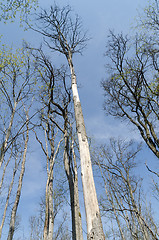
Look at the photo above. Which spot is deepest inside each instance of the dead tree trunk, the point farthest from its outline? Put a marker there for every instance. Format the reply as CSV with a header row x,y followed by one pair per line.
x,y
67,37
94,224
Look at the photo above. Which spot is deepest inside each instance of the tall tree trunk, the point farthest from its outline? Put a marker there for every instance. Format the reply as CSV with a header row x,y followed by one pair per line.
x,y
72,177
49,210
18,194
78,223
7,199
94,224
49,213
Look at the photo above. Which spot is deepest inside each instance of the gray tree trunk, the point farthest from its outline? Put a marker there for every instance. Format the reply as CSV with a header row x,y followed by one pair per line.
x,y
49,210
94,224
18,194
7,201
49,213
77,233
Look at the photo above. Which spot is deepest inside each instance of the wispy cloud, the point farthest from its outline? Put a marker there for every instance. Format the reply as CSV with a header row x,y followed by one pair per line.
x,y
104,128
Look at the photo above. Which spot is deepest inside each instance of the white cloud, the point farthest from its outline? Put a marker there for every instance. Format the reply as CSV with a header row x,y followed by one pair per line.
x,y
104,128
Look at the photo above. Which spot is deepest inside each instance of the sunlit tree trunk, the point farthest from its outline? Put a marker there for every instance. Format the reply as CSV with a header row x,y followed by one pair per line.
x,y
18,194
94,224
67,37
49,212
8,196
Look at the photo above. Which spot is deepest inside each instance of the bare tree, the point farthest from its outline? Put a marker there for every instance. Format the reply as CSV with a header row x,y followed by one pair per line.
x,y
131,88
36,226
72,176
50,146
18,193
148,19
15,169
66,36
15,84
55,98
50,150
15,87
124,196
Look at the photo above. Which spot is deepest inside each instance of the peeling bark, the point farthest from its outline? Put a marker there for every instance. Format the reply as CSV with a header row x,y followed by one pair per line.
x,y
67,38
94,224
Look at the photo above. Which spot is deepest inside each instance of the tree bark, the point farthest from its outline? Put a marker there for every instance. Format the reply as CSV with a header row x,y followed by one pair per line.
x,y
49,215
18,194
7,201
77,233
49,209
94,224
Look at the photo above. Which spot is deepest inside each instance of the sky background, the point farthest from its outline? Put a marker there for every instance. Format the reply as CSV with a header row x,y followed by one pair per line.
x,y
97,17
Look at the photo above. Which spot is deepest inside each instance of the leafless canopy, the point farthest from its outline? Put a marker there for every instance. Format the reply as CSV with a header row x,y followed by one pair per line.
x,y
125,200
64,32
131,89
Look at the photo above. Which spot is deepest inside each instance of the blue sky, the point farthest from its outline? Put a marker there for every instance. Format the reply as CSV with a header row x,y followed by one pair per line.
x,y
98,17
